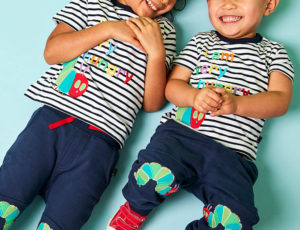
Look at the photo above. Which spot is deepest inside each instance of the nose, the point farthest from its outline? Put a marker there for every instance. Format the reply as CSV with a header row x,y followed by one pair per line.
x,y
229,4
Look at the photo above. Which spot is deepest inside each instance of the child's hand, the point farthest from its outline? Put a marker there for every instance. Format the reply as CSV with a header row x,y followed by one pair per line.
x,y
121,31
149,35
228,105
207,100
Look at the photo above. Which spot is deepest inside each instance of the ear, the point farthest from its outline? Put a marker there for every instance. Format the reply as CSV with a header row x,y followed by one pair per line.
x,y
271,6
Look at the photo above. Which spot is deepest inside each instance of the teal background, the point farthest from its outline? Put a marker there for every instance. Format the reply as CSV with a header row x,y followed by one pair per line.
x,y
25,26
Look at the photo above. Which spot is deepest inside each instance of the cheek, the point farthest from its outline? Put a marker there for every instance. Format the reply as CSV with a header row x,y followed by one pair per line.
x,y
214,20
254,13
213,15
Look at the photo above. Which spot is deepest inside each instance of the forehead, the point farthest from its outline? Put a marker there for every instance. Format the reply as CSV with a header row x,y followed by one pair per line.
x,y
237,1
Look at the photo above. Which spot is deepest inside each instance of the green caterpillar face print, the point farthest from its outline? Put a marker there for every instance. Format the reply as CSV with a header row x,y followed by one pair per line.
x,y
190,116
70,81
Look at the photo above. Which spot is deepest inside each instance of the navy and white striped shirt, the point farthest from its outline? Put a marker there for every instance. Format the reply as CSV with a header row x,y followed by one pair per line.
x,y
242,67
103,87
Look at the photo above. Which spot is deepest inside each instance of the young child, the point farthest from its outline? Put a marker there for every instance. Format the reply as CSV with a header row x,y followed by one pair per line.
x,y
225,83
110,58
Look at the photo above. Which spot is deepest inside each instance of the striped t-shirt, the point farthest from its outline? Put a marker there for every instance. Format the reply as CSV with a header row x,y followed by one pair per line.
x,y
242,67
103,87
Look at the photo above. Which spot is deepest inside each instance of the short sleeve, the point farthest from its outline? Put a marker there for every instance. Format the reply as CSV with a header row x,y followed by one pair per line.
x,y
281,62
189,56
169,37
74,14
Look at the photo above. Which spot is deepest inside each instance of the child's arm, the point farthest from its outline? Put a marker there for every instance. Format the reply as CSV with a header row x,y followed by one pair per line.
x,y
273,103
180,93
149,34
64,43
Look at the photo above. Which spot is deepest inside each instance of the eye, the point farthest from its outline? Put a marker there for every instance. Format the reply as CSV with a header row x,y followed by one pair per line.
x,y
77,84
82,87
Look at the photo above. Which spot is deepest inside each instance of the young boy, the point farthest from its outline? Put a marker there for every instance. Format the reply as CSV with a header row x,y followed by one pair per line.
x,y
225,83
109,59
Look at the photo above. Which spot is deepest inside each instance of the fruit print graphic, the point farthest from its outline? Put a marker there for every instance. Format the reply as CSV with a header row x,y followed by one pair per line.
x,y
190,116
44,226
162,175
70,81
222,215
9,213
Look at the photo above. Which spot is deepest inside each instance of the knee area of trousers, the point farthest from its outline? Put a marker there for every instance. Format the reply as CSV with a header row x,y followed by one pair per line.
x,y
163,177
8,214
44,226
222,215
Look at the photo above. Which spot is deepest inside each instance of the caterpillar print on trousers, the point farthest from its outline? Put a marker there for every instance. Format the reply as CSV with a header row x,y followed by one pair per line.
x,y
224,216
44,226
162,175
9,213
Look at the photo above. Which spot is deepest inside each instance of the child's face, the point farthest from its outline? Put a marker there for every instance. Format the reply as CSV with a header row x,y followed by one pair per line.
x,y
149,8
237,18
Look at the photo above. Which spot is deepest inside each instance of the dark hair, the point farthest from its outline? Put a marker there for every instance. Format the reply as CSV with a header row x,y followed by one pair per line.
x,y
179,5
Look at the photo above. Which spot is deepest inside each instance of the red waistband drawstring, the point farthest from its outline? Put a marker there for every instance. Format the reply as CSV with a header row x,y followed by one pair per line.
x,y
61,122
69,120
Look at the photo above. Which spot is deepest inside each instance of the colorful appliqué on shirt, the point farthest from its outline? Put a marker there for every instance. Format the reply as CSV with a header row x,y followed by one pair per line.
x,y
70,81
190,116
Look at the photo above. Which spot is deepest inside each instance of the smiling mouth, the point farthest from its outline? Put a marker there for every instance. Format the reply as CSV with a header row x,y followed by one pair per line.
x,y
228,19
150,4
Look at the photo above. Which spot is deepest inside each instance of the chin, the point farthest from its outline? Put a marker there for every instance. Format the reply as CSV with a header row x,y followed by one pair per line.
x,y
146,14
232,34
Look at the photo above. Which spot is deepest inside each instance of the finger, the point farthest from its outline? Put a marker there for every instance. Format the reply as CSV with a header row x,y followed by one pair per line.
x,y
200,109
148,20
211,94
208,107
137,44
219,90
137,31
205,108
217,97
213,100
139,22
217,113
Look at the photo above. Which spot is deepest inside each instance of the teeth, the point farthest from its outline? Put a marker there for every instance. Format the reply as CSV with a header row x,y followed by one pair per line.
x,y
151,5
231,18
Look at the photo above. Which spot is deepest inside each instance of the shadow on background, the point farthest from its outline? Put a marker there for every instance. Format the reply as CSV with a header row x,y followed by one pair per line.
x,y
267,200
270,23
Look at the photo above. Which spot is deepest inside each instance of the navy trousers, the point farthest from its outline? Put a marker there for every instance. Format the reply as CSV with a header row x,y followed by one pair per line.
x,y
178,157
69,165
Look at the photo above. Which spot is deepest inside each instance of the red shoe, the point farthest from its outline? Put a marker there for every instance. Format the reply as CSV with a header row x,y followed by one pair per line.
x,y
126,219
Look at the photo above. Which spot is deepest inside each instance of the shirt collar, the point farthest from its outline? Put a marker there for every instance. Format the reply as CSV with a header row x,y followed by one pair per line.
x,y
125,7
256,39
